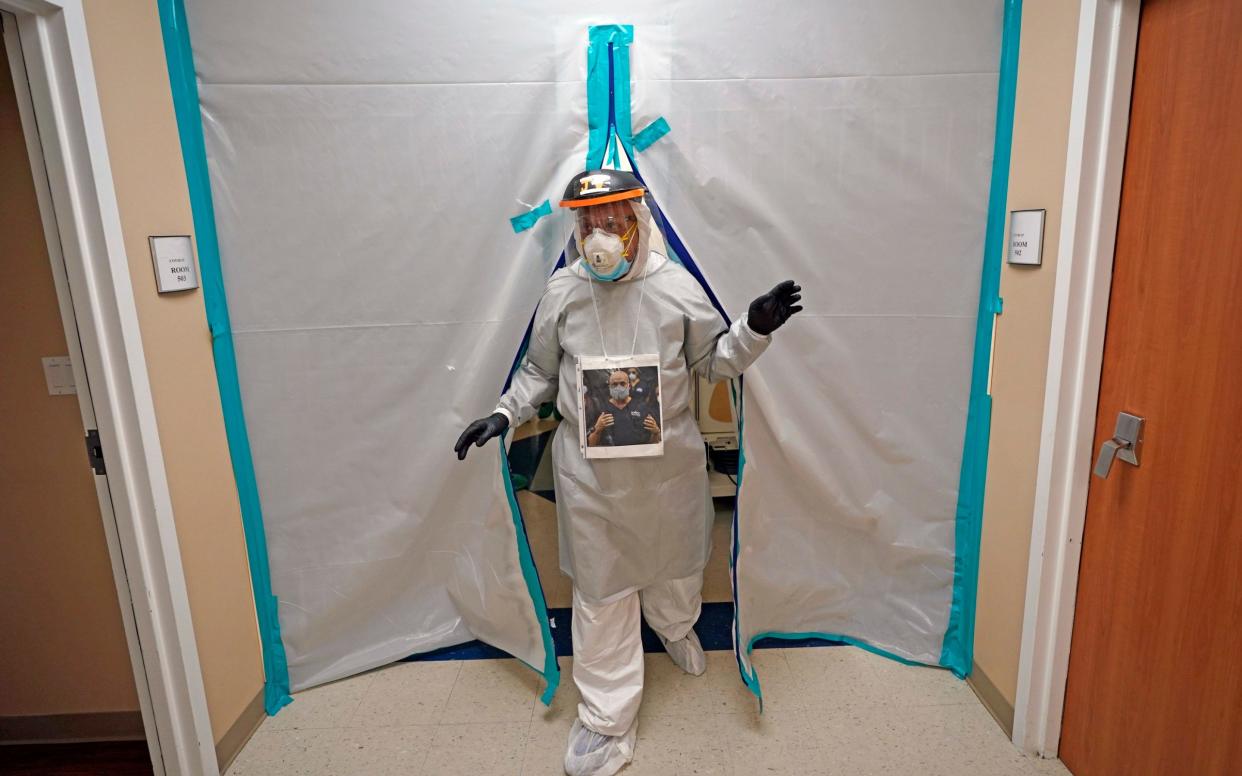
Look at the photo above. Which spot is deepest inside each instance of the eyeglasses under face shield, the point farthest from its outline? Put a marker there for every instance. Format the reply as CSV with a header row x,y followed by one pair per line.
x,y
613,217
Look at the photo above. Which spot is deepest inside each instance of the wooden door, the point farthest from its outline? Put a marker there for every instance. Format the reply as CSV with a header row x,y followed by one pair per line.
x,y
1155,674
62,636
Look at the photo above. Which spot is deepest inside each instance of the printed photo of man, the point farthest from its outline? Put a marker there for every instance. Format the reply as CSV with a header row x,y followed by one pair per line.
x,y
624,419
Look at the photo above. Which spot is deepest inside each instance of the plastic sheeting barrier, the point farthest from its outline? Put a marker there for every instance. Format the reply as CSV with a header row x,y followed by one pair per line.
x,y
364,159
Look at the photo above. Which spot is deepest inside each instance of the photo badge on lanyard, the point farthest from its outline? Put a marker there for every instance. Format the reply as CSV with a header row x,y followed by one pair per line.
x,y
619,411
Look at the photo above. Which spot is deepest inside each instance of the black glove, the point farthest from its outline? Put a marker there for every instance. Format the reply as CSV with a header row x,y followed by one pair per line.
x,y
770,311
479,432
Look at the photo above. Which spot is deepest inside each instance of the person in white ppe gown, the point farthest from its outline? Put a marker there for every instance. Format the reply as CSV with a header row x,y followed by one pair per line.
x,y
635,532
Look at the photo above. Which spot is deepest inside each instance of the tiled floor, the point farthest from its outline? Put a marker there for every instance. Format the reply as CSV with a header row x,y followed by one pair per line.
x,y
830,710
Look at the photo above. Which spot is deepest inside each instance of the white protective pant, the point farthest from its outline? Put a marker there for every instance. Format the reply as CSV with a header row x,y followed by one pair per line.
x,y
608,647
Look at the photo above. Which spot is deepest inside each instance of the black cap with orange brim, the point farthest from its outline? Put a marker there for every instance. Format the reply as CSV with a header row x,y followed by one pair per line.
x,y
597,187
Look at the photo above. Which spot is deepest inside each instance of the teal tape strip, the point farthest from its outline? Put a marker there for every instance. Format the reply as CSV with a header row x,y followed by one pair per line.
x,y
621,88
599,90
551,670
526,220
957,651
649,134
751,678
598,126
189,125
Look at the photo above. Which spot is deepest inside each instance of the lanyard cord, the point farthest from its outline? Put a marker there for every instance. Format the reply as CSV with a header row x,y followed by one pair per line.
x,y
637,313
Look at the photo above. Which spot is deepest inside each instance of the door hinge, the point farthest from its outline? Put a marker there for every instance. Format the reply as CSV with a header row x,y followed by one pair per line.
x,y
94,451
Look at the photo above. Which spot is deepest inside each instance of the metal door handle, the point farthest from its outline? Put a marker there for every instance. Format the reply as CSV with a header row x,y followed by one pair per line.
x,y
1125,444
1104,464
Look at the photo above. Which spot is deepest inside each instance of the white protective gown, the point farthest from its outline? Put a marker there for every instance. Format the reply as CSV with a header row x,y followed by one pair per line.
x,y
628,523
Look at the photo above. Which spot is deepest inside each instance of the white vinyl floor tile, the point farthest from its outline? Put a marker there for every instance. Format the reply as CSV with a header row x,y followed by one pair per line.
x,y
827,710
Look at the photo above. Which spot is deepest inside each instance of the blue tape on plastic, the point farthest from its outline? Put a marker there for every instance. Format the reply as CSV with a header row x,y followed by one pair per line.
x,y
189,125
551,670
957,651
601,38
751,680
526,220
649,134
620,62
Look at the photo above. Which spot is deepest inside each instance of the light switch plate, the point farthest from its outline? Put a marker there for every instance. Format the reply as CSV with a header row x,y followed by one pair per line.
x,y
58,370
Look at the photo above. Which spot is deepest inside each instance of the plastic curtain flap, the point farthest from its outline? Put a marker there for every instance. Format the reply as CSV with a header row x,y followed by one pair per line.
x,y
365,160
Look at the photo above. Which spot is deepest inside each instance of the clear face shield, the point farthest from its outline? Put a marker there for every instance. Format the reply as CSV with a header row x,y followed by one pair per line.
x,y
612,237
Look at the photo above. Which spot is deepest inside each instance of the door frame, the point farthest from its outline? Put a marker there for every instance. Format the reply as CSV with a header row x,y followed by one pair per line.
x,y
73,344
1098,127
82,221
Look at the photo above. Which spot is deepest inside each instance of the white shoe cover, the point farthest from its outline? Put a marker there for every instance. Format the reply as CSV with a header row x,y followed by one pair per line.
x,y
595,754
687,653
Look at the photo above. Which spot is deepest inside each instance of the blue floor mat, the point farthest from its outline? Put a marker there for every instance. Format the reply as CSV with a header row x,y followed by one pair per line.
x,y
714,627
